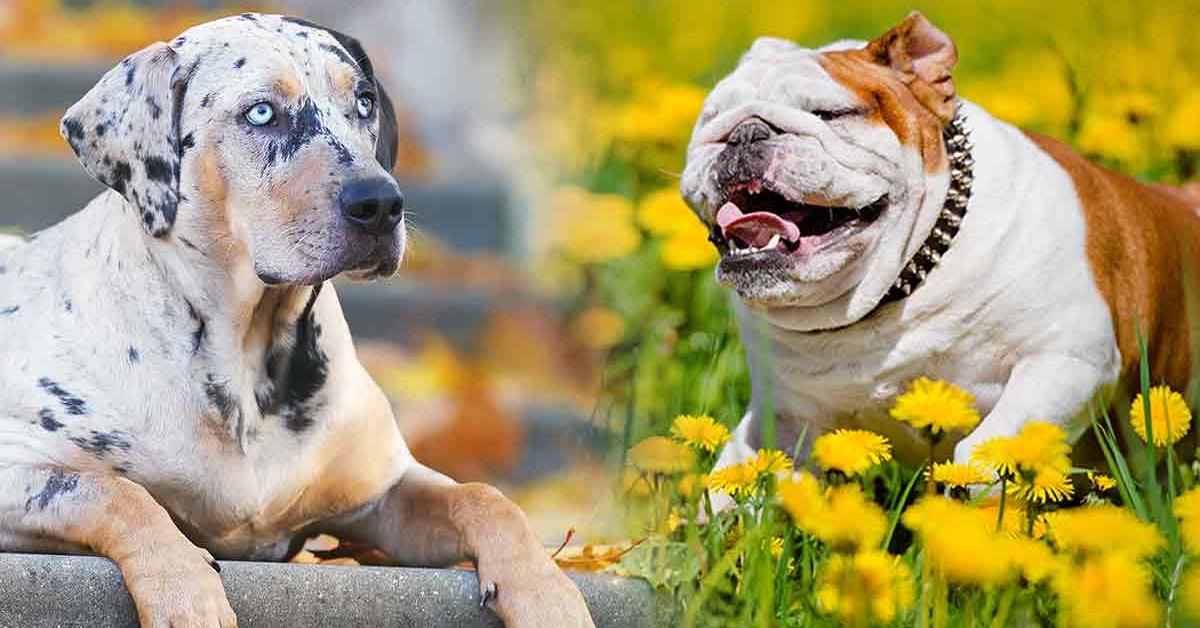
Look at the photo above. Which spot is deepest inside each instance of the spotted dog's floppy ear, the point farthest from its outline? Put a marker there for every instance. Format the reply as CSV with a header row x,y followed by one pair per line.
x,y
125,131
389,134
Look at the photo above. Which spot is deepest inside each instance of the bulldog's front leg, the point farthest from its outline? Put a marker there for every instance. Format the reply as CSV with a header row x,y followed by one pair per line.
x,y
1051,387
172,582
428,519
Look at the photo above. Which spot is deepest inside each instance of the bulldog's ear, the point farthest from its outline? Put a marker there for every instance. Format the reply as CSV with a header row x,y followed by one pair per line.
x,y
125,131
924,54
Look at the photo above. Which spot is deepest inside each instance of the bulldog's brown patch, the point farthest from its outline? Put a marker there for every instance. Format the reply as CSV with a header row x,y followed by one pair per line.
x,y
1143,244
210,181
890,100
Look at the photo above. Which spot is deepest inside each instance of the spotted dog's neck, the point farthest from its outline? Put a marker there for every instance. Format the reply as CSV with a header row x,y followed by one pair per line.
x,y
253,348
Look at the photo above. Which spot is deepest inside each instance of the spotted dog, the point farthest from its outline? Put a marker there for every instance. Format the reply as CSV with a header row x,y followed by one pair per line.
x,y
875,227
177,381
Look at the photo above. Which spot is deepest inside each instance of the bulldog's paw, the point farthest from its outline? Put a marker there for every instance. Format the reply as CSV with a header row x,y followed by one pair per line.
x,y
532,593
177,587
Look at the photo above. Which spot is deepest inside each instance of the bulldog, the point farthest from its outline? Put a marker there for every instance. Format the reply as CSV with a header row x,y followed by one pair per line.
x,y
875,227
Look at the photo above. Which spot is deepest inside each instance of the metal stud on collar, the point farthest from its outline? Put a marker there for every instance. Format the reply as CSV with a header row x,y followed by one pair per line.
x,y
956,137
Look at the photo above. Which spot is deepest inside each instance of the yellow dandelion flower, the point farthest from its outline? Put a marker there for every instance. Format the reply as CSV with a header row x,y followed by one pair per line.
x,y
846,521
1103,529
674,520
1187,508
802,498
598,328
865,588
995,455
1038,447
1033,559
593,228
772,461
636,484
1101,482
958,475
1189,592
663,212
1046,485
936,405
659,454
1169,416
688,248
776,547
701,432
959,542
736,480
1107,590
852,452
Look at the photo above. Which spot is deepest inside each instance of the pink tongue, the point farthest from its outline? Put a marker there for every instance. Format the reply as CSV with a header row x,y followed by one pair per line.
x,y
755,229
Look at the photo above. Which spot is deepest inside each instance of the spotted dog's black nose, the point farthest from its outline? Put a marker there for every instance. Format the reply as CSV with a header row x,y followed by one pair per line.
x,y
375,205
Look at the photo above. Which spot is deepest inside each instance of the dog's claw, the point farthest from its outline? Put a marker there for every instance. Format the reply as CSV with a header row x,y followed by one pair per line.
x,y
489,594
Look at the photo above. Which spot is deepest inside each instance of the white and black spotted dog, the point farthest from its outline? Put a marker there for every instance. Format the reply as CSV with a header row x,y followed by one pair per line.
x,y
177,381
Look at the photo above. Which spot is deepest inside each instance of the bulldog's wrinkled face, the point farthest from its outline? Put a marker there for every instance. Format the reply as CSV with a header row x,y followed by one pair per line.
x,y
263,139
812,168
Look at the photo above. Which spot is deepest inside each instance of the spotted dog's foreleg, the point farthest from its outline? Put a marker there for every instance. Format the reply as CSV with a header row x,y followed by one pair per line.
x,y
172,582
428,519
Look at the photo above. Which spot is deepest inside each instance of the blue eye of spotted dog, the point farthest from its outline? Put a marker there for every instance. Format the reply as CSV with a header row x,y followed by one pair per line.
x,y
366,105
260,114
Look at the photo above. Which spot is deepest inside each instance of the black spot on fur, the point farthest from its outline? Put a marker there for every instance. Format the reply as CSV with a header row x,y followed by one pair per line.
x,y
157,169
75,132
101,129
134,356
187,143
305,126
129,75
58,483
67,305
46,418
12,309
304,372
71,403
120,176
206,101
102,443
155,109
221,398
188,243
237,65
201,328
249,17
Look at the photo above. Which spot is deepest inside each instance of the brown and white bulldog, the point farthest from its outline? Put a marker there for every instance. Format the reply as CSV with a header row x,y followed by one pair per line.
x,y
868,242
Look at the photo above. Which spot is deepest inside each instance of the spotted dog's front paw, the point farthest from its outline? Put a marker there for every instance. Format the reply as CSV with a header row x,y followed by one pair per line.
x,y
177,587
532,592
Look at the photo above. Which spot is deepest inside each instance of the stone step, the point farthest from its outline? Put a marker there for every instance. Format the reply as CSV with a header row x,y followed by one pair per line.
x,y
43,590
33,88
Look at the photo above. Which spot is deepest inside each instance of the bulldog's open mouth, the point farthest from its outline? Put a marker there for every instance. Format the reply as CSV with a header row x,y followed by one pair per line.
x,y
756,220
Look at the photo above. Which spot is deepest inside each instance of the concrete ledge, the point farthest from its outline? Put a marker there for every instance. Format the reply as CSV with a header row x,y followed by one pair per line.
x,y
40,590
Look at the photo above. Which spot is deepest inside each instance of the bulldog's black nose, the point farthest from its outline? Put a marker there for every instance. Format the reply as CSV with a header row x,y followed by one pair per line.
x,y
375,205
751,130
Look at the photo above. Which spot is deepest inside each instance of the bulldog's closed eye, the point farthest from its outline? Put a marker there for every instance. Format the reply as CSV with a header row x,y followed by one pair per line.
x,y
834,114
261,114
